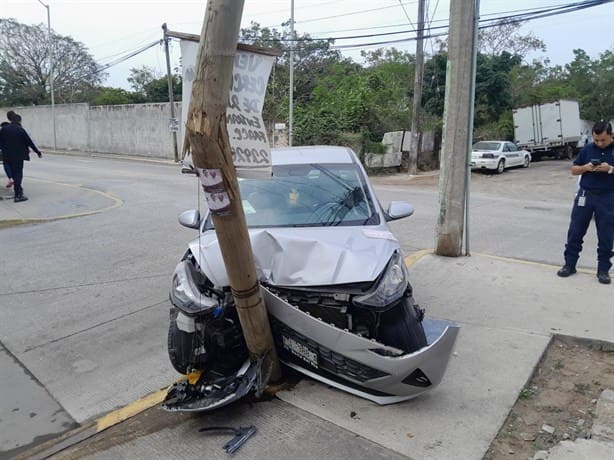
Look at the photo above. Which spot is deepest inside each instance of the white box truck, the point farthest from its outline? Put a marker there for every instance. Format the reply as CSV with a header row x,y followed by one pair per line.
x,y
551,129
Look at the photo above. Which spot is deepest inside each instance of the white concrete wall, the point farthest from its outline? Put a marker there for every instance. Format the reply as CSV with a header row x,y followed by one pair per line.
x,y
382,160
392,141
135,129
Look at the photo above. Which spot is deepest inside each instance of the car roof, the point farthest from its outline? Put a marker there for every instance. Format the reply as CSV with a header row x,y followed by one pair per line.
x,y
319,154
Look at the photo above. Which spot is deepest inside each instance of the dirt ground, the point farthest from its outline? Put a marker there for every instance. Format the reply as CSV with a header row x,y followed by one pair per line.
x,y
559,400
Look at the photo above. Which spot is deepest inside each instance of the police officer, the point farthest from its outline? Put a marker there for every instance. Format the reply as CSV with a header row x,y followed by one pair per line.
x,y
595,197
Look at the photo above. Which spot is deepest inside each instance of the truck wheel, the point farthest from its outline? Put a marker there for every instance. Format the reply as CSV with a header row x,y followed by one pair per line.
x,y
500,166
568,152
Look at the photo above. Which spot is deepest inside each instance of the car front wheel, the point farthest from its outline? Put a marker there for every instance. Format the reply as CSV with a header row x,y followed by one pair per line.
x,y
500,166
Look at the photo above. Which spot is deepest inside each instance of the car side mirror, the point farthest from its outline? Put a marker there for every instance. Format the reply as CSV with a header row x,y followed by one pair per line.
x,y
398,210
190,218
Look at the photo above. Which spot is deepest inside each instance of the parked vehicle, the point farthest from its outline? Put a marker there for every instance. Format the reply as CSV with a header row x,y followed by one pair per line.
x,y
551,129
333,280
498,156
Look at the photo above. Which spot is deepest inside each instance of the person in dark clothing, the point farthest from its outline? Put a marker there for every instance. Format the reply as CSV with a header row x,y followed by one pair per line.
x,y
5,164
15,144
595,197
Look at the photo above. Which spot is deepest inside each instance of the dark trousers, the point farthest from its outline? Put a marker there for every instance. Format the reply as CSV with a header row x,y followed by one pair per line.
x,y
7,169
602,207
17,171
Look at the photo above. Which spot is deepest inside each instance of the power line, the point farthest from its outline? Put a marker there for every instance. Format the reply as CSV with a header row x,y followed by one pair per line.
x,y
486,23
523,15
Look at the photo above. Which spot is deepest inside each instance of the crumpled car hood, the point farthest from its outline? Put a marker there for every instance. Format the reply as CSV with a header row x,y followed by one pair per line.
x,y
305,256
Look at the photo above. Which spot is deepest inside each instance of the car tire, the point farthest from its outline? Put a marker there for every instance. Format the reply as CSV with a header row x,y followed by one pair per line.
x,y
526,162
179,345
500,166
401,327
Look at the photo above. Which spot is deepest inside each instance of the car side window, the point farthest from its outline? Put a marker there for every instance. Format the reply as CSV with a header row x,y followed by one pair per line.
x,y
512,147
506,148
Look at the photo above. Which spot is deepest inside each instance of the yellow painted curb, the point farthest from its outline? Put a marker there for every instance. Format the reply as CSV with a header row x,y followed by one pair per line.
x,y
415,257
132,409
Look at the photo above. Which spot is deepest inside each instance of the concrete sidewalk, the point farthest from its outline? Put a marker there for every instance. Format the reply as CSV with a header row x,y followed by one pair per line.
x,y
508,310
51,201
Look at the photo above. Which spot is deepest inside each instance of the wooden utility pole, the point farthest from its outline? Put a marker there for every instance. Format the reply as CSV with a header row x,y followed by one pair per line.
x,y
418,77
208,138
457,126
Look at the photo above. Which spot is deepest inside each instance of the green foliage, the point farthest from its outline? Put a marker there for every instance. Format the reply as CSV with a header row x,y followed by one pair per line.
x,y
148,86
112,96
526,393
492,86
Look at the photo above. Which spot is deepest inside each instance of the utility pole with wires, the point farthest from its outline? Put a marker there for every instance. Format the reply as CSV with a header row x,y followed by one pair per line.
x,y
291,91
458,125
173,122
208,139
418,77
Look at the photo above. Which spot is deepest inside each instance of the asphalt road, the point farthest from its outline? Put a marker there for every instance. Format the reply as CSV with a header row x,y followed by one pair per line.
x,y
84,300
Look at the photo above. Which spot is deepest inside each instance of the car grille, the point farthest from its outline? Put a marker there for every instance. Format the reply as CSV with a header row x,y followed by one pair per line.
x,y
327,359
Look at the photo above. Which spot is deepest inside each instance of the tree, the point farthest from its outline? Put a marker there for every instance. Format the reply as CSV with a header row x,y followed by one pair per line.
x,y
505,37
24,66
492,86
149,86
593,81
112,96
140,77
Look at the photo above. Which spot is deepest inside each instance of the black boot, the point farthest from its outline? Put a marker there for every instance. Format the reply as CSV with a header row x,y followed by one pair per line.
x,y
19,198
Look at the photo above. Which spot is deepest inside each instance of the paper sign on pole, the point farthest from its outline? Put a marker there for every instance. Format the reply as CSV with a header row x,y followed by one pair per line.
x,y
249,142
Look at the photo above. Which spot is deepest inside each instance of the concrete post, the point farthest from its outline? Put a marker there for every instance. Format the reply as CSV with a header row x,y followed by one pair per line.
x,y
457,110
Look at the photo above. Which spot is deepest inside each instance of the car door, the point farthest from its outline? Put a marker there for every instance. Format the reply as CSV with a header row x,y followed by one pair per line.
x,y
513,155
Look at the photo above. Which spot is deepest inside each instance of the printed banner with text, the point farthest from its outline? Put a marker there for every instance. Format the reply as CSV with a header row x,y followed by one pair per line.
x,y
249,142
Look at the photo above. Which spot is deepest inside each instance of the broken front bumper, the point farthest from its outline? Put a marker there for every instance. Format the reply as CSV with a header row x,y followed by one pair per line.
x,y
355,364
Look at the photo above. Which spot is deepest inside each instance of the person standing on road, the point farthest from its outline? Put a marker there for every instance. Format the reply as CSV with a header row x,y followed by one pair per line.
x,y
595,197
15,144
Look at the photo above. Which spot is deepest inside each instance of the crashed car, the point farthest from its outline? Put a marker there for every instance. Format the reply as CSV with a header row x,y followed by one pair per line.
x,y
334,282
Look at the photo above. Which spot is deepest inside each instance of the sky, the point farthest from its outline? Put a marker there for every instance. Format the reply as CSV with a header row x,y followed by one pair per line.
x,y
113,28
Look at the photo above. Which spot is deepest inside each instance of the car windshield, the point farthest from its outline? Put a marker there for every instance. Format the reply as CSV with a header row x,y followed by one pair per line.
x,y
486,145
308,195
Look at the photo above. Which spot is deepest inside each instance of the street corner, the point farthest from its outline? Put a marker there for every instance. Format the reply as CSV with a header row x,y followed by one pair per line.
x,y
49,200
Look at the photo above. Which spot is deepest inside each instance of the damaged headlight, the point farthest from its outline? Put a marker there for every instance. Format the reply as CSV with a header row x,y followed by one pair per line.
x,y
185,294
391,286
